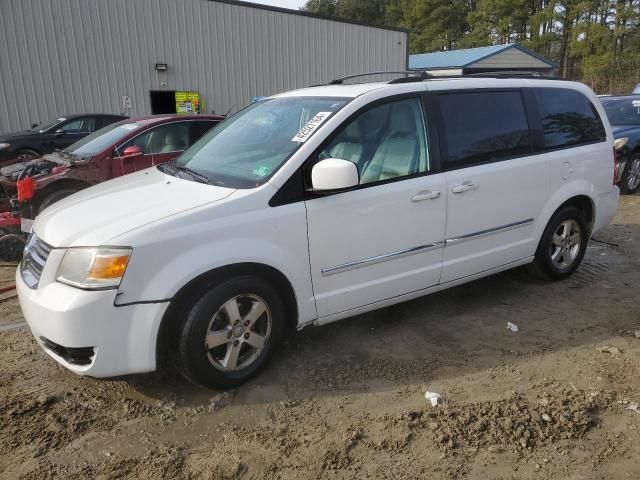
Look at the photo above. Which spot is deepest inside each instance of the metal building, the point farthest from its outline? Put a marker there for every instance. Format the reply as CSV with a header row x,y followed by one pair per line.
x,y
152,56
511,56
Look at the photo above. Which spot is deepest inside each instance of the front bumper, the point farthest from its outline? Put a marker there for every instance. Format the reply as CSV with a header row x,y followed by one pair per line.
x,y
85,332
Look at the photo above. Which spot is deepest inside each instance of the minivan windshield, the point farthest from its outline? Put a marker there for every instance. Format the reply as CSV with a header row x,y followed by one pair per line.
x,y
102,139
623,111
247,148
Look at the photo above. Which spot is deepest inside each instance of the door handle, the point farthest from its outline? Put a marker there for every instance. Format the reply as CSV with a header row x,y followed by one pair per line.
x,y
425,195
465,187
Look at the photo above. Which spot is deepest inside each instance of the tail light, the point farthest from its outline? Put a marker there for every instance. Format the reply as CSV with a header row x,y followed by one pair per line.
x,y
25,188
616,166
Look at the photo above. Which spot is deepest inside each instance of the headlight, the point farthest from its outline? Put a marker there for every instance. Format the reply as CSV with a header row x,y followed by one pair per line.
x,y
93,268
620,142
4,145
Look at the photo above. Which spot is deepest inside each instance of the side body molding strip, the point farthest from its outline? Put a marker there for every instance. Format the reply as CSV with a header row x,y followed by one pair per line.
x,y
489,231
380,258
365,262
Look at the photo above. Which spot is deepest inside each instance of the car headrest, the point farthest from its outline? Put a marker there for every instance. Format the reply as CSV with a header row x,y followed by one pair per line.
x,y
401,119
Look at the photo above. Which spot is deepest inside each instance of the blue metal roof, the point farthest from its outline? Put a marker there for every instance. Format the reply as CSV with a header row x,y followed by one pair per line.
x,y
465,57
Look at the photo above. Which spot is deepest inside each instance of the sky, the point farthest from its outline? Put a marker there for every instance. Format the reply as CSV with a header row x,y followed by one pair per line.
x,y
295,4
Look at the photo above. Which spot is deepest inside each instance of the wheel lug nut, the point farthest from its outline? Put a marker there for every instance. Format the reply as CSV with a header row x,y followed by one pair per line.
x,y
236,343
246,335
246,323
236,322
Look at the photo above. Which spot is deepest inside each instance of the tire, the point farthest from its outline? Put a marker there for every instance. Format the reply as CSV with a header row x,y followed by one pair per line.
x,y
26,154
11,247
631,176
213,332
54,197
562,247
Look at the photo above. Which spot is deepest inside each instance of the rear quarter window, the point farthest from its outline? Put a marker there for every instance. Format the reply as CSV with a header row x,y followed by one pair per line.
x,y
568,118
483,126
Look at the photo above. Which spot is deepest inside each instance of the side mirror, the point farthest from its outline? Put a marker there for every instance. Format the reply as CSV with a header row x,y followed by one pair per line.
x,y
132,152
334,174
59,132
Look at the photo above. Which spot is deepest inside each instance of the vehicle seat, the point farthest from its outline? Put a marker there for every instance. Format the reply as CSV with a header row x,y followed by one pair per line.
x,y
350,146
173,142
397,154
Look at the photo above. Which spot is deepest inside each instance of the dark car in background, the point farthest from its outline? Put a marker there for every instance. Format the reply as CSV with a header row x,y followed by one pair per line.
x,y
624,116
115,150
49,136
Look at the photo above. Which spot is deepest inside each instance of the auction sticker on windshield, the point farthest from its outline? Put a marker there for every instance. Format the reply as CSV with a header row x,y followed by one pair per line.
x,y
306,131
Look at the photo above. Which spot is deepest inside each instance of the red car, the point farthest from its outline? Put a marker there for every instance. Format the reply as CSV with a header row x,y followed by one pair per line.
x,y
115,150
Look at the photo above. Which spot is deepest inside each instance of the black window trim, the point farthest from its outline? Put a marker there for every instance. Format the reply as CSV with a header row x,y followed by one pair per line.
x,y
296,188
529,116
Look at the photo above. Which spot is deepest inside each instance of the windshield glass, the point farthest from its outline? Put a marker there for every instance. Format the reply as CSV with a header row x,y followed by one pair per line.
x,y
102,139
47,125
246,149
623,111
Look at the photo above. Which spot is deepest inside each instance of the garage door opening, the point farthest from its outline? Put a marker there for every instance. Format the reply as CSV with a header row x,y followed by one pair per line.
x,y
163,101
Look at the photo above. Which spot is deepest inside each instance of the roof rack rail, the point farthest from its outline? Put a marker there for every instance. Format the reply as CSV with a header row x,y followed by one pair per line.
x,y
512,74
410,76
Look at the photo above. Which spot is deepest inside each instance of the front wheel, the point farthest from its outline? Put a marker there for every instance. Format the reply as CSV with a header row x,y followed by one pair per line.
x,y
229,333
562,246
53,197
631,175
26,154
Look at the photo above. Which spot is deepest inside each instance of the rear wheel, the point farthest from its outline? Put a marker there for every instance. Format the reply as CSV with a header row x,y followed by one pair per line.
x,y
562,246
631,175
229,333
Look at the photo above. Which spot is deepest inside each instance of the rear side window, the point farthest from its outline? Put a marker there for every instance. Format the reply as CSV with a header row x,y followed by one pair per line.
x,y
199,128
483,126
568,118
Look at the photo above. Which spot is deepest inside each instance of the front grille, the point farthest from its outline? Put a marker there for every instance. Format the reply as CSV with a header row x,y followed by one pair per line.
x,y
74,356
35,257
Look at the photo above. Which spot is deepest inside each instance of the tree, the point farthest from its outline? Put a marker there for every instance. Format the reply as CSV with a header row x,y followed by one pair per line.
x,y
595,41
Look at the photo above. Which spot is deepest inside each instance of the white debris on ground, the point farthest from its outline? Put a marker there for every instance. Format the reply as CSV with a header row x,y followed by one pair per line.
x,y
512,327
433,397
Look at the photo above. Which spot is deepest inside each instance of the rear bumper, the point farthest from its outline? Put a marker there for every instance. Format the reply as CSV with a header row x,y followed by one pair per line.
x,y
86,333
606,205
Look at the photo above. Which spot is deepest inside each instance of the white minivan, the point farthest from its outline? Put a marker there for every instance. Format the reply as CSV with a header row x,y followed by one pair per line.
x,y
312,206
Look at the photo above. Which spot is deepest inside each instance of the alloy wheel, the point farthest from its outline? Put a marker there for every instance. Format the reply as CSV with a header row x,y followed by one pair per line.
x,y
565,244
238,332
633,177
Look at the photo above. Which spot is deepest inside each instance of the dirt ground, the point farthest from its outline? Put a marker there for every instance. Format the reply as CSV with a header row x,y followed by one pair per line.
x,y
347,400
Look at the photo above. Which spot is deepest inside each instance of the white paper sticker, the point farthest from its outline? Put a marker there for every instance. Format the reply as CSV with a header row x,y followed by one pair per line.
x,y
635,103
306,131
129,126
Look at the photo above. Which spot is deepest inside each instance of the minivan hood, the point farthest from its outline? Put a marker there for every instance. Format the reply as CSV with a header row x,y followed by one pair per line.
x,y
97,214
8,136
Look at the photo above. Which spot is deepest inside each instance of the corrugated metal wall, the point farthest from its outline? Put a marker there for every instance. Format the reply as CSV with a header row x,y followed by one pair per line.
x,y
68,56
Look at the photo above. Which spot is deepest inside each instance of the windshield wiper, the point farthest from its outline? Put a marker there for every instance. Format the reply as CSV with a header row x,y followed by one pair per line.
x,y
172,169
196,175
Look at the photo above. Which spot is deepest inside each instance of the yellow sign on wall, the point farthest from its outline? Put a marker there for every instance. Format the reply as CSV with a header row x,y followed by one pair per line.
x,y
187,102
